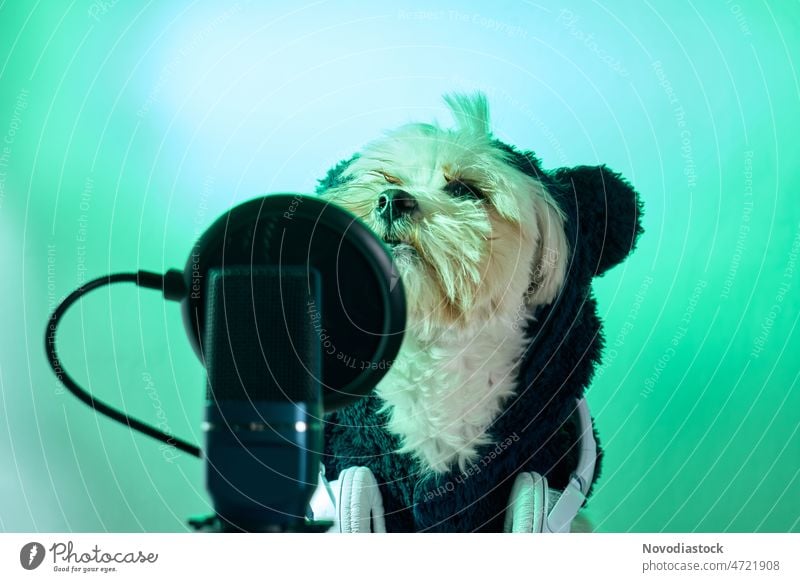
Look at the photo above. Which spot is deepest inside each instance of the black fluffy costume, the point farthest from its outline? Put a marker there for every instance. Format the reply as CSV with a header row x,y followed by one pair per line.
x,y
537,431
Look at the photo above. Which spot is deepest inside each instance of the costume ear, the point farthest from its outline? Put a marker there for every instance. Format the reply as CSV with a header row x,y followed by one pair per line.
x,y
336,176
608,211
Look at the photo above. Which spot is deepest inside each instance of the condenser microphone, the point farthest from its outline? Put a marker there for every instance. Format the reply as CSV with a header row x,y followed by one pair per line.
x,y
295,308
263,425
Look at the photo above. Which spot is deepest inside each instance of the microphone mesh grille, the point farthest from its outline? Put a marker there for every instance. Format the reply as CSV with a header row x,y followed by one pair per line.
x,y
261,342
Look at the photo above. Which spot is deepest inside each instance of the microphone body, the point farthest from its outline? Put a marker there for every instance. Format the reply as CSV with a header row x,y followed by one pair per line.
x,y
263,428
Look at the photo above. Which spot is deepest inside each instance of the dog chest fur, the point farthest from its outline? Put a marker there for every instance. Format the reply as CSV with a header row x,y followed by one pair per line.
x,y
441,397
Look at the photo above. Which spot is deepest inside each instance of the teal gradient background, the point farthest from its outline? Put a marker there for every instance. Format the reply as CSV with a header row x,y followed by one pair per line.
x,y
127,127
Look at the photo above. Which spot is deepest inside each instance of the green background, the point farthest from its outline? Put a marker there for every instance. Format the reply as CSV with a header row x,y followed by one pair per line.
x,y
128,127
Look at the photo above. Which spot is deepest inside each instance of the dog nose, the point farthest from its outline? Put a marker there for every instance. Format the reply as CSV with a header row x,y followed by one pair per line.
x,y
394,203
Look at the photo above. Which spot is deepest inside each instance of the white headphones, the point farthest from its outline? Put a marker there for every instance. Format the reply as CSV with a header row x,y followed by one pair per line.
x,y
529,509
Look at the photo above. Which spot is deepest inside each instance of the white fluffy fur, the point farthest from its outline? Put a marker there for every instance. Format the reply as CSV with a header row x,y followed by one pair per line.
x,y
473,271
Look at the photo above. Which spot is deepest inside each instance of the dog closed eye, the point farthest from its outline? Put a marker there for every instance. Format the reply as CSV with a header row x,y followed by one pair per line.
x,y
463,189
389,178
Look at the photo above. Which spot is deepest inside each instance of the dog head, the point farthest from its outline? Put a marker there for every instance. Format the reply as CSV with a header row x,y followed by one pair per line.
x,y
473,236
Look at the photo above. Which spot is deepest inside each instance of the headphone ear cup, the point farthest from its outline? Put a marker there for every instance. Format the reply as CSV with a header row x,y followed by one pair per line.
x,y
348,507
529,504
360,504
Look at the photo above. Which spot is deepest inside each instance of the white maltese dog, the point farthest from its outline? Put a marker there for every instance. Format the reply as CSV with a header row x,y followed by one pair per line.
x,y
479,245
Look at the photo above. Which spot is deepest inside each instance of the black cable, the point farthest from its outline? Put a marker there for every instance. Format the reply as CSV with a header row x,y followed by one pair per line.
x,y
174,288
